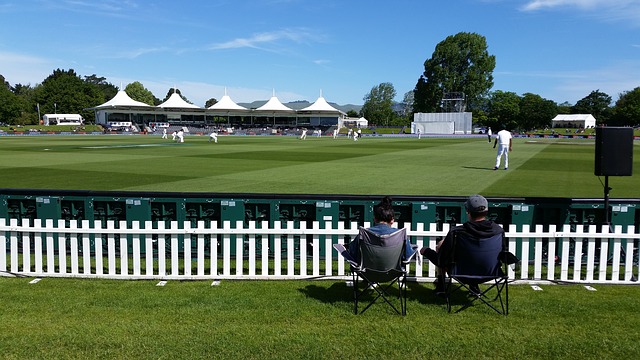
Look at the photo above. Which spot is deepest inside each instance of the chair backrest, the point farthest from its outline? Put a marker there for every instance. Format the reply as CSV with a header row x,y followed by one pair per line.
x,y
381,252
476,256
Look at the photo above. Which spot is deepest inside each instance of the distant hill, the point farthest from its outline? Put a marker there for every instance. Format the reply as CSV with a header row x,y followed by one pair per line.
x,y
301,104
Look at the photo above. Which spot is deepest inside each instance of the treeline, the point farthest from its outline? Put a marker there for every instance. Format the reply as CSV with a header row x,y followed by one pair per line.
x,y
64,92
459,77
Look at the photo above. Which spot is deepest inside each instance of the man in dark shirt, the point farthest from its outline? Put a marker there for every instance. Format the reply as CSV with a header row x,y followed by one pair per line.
x,y
478,227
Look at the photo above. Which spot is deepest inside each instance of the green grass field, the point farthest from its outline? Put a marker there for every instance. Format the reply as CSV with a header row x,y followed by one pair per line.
x,y
105,319
286,165
110,319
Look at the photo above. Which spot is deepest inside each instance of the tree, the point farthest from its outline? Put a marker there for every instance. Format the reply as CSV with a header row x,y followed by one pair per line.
x,y
460,63
65,92
565,108
138,92
177,91
378,104
536,112
107,89
26,98
503,109
9,103
407,105
425,98
210,102
627,109
597,104
352,113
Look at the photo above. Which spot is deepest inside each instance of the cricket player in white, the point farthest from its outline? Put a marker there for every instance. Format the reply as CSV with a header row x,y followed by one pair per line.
x,y
503,139
213,137
304,134
164,133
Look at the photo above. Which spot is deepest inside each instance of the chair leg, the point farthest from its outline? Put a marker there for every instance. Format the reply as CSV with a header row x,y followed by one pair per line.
x,y
355,295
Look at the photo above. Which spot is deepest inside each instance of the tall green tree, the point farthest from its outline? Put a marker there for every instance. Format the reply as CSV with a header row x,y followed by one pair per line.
x,y
107,89
536,112
65,92
138,92
26,97
503,110
460,63
597,104
407,106
378,105
627,109
10,106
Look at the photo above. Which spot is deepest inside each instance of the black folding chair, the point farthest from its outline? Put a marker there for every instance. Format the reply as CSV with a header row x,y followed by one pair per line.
x,y
381,269
479,265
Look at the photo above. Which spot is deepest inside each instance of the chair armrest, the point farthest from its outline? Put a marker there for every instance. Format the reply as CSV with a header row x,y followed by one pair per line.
x,y
345,254
508,257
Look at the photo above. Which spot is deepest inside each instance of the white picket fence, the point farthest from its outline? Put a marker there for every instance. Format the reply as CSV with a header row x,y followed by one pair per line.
x,y
284,251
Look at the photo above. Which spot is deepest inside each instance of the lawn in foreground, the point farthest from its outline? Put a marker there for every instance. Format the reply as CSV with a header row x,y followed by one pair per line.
x,y
74,318
286,165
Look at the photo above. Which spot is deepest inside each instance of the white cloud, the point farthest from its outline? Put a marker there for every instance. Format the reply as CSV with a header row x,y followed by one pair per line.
x,y
533,5
264,40
572,86
608,10
25,69
134,53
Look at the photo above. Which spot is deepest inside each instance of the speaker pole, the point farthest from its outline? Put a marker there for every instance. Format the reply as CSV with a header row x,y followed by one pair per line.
x,y
606,200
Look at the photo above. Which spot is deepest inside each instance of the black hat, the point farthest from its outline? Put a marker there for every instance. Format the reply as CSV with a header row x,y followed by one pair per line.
x,y
476,204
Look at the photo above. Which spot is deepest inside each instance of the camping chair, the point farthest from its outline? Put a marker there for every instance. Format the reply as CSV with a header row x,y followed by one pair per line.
x,y
476,262
380,268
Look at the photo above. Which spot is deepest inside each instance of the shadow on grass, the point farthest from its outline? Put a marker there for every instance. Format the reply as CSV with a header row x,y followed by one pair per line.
x,y
336,293
340,293
477,168
424,293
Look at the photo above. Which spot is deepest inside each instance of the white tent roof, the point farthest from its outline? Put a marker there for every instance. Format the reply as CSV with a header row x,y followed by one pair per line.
x,y
320,105
121,99
226,104
273,105
175,101
363,121
574,117
587,120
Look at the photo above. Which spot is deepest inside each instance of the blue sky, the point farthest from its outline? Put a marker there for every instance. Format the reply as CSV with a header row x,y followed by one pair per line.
x,y
559,49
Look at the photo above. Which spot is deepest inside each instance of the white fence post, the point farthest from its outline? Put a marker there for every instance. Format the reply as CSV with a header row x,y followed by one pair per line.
x,y
30,249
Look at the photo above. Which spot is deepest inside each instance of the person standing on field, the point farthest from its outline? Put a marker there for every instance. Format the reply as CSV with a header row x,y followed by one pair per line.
x,y
489,134
504,140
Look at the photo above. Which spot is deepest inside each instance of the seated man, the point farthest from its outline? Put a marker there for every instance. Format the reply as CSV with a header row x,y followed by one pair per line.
x,y
478,226
383,217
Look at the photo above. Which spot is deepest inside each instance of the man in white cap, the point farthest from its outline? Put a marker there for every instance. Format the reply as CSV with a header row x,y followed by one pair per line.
x,y
477,226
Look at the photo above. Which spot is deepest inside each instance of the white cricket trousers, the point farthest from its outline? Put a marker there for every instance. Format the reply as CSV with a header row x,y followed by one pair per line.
x,y
503,150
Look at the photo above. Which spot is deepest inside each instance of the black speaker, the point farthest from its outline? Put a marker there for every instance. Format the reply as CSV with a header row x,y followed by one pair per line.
x,y
614,151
